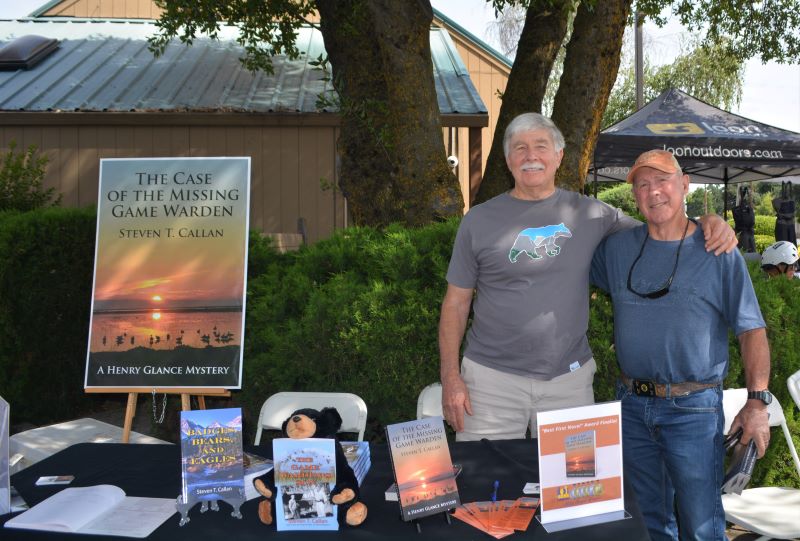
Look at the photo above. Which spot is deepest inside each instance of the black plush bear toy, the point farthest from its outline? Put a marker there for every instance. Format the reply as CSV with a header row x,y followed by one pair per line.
x,y
310,423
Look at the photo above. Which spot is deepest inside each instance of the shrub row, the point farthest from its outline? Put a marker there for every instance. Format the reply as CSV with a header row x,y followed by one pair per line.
x,y
355,313
45,291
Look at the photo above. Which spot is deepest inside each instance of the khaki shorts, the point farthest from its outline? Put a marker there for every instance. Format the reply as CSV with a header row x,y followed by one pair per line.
x,y
504,405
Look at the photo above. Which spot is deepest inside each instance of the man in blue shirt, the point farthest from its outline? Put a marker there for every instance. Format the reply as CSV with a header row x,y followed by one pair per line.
x,y
524,258
673,306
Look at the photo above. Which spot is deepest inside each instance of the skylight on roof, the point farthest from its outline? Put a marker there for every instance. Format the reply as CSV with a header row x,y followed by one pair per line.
x,y
26,51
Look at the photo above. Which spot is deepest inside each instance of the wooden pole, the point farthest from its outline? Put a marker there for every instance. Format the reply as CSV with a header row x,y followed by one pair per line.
x,y
133,397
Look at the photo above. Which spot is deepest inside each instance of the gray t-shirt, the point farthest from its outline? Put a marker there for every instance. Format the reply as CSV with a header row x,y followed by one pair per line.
x,y
529,262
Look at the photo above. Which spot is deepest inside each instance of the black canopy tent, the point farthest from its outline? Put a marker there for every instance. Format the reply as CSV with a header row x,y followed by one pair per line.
x,y
713,146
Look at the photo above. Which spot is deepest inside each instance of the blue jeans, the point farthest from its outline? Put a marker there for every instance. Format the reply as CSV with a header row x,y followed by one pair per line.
x,y
673,452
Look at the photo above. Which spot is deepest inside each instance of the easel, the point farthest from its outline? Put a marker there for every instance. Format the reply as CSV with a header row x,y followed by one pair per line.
x,y
186,395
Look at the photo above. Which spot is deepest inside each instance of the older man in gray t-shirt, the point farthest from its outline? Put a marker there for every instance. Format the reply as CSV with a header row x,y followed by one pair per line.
x,y
527,254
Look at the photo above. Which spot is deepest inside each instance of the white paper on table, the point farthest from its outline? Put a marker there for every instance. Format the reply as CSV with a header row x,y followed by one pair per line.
x,y
133,517
100,509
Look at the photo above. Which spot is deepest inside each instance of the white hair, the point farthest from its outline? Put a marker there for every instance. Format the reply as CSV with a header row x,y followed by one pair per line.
x,y
532,122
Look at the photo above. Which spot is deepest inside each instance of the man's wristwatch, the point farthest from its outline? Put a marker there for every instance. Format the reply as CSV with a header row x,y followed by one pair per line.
x,y
765,396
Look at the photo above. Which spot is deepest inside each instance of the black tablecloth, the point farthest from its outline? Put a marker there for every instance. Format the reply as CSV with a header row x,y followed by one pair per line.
x,y
154,471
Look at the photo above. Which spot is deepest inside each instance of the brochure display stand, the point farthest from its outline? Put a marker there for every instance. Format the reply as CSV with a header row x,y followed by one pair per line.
x,y
580,466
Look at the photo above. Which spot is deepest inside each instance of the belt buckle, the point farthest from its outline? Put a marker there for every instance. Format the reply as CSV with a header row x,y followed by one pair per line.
x,y
643,387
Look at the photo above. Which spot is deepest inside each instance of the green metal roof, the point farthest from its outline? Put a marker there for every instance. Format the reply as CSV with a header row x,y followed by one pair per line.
x,y
472,37
105,65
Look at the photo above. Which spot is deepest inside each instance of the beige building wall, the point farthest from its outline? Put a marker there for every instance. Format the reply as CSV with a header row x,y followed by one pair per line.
x,y
488,74
288,164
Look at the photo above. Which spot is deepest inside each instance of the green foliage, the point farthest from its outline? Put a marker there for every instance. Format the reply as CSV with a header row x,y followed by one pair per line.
x,y
601,341
762,241
355,313
765,225
21,175
45,291
621,196
713,193
765,29
708,72
46,261
780,305
266,29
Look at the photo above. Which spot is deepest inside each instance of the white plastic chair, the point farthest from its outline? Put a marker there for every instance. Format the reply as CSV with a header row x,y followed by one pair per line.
x,y
277,408
793,382
429,403
769,511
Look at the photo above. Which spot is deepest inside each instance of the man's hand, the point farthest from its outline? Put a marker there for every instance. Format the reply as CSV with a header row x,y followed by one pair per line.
x,y
455,401
754,422
719,236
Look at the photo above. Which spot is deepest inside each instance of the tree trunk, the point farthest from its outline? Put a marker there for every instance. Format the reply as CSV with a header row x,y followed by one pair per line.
x,y
393,160
590,69
544,30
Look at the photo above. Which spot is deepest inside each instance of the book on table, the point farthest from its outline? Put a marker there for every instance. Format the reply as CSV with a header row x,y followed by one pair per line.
x,y
358,457
254,466
211,455
390,495
423,470
305,474
97,510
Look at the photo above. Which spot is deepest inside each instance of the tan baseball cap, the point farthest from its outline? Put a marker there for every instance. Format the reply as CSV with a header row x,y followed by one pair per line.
x,y
662,160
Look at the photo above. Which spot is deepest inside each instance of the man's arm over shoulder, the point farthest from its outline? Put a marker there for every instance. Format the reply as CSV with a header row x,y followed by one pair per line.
x,y
452,324
720,236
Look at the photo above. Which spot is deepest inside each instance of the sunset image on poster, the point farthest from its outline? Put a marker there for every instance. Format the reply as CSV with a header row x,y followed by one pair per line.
x,y
422,467
170,269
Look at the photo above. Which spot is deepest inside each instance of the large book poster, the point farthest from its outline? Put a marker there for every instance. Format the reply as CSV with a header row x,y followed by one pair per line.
x,y
422,467
168,298
305,475
212,465
580,462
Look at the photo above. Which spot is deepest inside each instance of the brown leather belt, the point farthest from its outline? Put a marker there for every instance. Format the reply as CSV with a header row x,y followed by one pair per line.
x,y
643,387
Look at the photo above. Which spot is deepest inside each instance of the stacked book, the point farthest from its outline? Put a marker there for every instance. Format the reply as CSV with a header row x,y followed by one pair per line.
x,y
254,466
357,454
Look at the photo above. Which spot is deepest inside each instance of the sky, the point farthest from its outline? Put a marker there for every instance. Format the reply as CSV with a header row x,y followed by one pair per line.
x,y
771,92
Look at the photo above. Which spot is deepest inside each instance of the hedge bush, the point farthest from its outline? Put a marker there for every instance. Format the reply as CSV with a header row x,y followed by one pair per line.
x,y
45,292
355,313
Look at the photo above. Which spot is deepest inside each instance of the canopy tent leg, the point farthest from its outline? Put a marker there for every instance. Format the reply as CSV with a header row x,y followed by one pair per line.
x,y
725,195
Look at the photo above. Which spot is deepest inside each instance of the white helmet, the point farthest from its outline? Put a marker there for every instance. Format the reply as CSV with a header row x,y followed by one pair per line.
x,y
781,252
